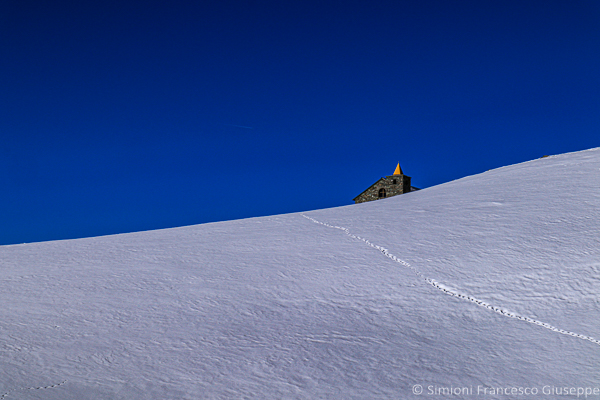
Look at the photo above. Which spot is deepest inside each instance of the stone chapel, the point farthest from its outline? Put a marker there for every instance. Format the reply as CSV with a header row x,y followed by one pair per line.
x,y
387,186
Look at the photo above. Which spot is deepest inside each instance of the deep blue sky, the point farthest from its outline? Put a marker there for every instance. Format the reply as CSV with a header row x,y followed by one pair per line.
x,y
124,116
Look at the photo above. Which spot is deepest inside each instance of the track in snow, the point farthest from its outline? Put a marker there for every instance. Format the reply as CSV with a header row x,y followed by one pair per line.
x,y
454,293
32,388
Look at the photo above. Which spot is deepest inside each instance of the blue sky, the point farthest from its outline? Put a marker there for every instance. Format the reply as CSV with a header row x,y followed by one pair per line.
x,y
126,116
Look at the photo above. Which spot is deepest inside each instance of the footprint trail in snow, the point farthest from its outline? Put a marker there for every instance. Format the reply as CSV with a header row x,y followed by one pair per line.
x,y
32,388
454,293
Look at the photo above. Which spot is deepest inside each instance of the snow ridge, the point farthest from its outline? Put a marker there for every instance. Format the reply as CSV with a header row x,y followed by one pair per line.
x,y
453,292
32,388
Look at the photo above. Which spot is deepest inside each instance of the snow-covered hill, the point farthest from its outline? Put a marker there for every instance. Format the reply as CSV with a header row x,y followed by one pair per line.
x,y
489,283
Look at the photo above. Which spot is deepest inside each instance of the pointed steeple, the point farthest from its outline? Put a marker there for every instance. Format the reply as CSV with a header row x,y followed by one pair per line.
x,y
398,170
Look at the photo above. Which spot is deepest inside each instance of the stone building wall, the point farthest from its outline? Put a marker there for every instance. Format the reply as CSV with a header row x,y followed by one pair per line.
x,y
392,185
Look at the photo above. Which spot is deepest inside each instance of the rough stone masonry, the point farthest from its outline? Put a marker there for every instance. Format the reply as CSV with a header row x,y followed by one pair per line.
x,y
387,186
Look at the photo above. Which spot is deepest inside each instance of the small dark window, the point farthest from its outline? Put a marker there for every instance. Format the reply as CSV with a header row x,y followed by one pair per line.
x,y
394,181
381,193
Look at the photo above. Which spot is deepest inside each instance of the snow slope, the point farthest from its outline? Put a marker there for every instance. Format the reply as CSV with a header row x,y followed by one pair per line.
x,y
488,283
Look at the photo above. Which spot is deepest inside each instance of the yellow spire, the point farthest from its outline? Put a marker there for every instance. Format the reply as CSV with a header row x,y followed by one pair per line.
x,y
398,170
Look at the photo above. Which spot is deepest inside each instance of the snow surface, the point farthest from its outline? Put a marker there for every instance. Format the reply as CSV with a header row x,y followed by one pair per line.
x,y
488,282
